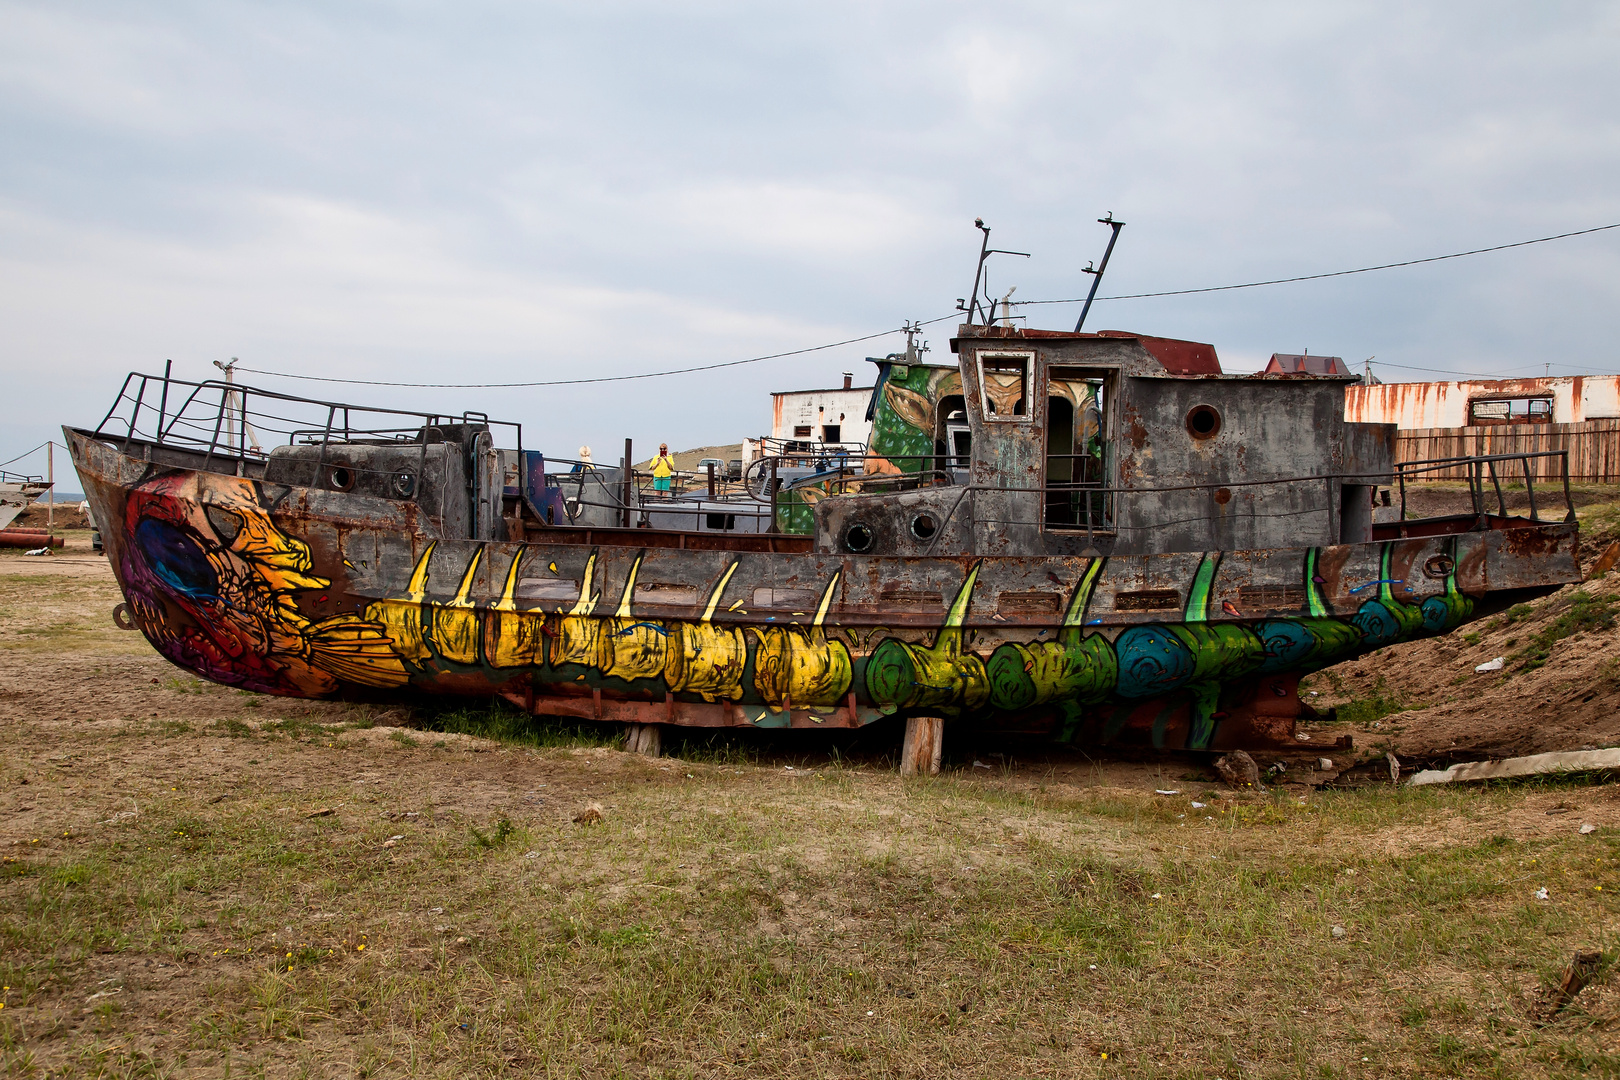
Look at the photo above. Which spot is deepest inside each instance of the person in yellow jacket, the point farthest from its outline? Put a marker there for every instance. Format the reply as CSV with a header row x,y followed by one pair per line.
x,y
662,468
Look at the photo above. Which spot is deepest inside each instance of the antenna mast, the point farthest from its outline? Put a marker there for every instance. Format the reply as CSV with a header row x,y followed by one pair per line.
x,y
971,306
1097,274
913,355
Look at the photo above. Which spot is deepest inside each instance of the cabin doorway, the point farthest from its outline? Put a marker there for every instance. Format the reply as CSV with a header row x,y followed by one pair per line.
x,y
953,438
1078,461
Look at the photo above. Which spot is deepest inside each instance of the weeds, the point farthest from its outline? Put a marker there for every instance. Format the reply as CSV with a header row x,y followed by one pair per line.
x,y
499,835
501,723
299,728
1578,612
1380,704
1517,613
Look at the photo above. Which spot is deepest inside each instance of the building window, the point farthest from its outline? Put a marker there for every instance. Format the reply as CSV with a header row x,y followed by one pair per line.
x,y
802,431
831,432
1521,410
1004,384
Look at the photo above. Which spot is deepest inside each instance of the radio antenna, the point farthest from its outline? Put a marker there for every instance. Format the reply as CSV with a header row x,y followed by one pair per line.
x,y
1097,274
972,306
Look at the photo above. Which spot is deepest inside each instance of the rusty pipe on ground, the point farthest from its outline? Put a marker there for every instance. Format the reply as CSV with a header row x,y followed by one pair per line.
x,y
17,538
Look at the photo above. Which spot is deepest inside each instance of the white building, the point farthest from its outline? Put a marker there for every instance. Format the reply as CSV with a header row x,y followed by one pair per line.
x,y
837,415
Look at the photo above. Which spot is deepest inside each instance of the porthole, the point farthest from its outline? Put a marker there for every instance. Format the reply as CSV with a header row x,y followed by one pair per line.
x,y
1438,566
857,538
340,478
923,526
1203,422
403,484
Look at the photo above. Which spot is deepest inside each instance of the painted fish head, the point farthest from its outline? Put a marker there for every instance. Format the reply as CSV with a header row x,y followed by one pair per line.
x,y
210,580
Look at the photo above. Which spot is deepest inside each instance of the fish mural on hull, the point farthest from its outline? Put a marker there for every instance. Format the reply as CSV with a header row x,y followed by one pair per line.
x,y
211,582
217,587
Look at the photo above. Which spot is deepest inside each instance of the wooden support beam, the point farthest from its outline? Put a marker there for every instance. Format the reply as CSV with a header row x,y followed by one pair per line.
x,y
925,738
644,739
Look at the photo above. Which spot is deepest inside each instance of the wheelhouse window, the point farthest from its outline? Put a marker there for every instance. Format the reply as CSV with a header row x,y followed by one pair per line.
x,y
1519,410
1004,384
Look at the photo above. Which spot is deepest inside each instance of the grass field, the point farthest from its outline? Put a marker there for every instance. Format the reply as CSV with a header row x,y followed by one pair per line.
x,y
199,882
742,918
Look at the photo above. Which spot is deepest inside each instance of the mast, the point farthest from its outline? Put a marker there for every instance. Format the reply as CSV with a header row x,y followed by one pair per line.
x,y
1097,274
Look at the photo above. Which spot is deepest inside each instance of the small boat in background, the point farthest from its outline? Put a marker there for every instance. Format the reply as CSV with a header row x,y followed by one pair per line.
x,y
17,493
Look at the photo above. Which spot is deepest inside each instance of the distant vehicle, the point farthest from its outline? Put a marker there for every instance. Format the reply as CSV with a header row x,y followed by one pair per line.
x,y
734,469
719,467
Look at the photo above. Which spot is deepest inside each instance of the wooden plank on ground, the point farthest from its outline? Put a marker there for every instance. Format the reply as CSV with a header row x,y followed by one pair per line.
x,y
1534,765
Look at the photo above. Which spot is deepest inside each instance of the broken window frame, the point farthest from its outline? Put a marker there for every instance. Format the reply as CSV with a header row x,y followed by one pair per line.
x,y
1530,415
1028,401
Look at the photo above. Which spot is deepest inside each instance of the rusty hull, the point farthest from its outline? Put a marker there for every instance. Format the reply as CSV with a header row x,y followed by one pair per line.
x,y
307,593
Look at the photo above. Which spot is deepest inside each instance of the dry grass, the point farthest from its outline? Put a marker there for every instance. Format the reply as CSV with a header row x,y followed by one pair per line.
x,y
198,882
747,920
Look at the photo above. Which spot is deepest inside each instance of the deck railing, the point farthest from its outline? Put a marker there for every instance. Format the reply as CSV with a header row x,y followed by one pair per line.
x,y
1090,507
1496,469
235,423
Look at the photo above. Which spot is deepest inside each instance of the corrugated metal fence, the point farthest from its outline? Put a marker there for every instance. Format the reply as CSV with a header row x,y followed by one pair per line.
x,y
1594,448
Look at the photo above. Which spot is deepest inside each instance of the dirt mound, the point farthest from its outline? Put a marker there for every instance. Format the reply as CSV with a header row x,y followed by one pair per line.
x,y
1557,688
66,516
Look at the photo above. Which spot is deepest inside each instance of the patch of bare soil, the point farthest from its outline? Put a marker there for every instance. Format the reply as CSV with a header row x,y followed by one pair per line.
x,y
1445,710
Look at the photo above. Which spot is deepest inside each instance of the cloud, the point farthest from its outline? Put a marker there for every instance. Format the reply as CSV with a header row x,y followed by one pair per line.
x,y
483,190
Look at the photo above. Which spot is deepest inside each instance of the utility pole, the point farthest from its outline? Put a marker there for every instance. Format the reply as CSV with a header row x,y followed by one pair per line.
x,y
50,492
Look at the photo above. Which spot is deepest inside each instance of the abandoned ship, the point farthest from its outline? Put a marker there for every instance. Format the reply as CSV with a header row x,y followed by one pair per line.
x,y
1098,537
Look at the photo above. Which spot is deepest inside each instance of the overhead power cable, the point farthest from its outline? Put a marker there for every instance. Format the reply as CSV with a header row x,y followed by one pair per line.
x,y
1478,375
1332,274
1443,371
928,322
599,379
19,457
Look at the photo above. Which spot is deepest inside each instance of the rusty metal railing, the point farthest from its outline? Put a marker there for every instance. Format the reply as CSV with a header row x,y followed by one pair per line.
x,y
1480,467
224,421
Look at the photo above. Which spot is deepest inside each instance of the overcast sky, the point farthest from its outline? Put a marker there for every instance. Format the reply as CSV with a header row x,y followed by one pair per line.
x,y
477,192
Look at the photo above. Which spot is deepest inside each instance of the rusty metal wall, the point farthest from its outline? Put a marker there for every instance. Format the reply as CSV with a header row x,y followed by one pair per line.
x,y
1269,429
1576,399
